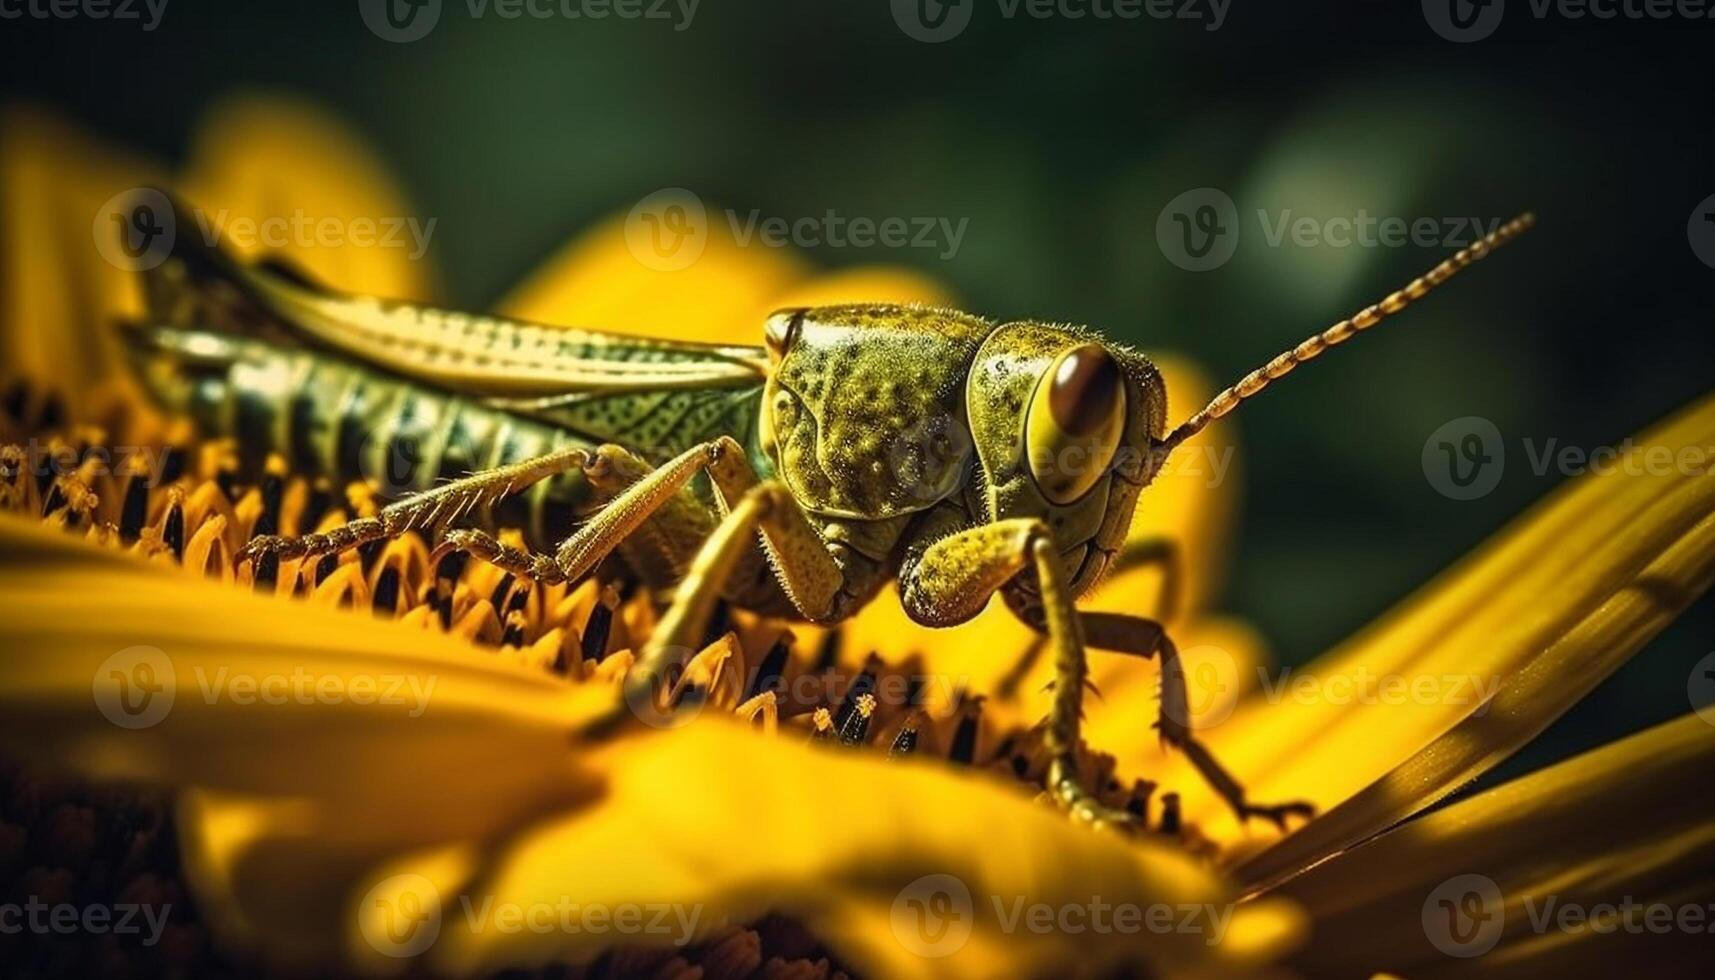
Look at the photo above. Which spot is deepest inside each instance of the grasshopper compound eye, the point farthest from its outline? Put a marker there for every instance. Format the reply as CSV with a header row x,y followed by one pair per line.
x,y
1077,417
781,331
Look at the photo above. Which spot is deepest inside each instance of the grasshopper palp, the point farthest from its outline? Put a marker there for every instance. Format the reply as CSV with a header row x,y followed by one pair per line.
x,y
858,445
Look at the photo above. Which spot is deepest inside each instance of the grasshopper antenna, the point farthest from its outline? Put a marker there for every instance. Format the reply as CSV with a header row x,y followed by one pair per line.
x,y
1254,382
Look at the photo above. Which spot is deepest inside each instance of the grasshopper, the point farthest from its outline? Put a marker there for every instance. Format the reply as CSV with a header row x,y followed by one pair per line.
x,y
857,445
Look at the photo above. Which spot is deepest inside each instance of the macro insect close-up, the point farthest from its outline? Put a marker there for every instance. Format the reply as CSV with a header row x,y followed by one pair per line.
x,y
781,579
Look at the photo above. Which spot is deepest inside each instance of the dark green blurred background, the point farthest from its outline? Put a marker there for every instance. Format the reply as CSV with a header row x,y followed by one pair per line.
x,y
1061,141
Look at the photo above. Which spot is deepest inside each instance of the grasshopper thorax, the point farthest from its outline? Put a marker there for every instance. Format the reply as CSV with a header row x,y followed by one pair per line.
x,y
863,412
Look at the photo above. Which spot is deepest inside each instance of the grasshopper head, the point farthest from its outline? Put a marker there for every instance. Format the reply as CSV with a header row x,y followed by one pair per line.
x,y
1064,425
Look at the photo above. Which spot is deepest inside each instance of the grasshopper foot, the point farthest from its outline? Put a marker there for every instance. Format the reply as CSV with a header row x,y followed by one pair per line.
x,y
1069,793
486,547
1277,813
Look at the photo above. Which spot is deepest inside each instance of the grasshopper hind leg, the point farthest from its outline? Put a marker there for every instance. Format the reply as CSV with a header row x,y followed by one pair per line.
x,y
658,548
431,509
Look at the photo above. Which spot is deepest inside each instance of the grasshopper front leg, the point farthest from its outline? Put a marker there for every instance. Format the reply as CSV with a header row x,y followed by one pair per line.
x,y
951,580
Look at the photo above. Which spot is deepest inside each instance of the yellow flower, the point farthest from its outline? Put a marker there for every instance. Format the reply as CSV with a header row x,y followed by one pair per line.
x,y
374,793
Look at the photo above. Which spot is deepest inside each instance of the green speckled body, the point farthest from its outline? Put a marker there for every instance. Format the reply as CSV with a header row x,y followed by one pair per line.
x,y
346,421
891,427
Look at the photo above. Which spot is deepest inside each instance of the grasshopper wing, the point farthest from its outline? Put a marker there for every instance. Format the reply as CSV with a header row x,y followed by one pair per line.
x,y
482,356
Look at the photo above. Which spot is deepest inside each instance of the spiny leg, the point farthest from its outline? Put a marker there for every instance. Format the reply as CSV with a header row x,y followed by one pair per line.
x,y
661,548
431,508
1145,637
951,580
801,562
613,471
807,572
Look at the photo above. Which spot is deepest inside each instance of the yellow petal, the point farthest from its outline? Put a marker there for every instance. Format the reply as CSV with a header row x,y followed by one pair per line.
x,y
637,274
863,284
1627,822
123,670
1223,659
608,279
274,176
976,657
308,812
59,291
1484,658
714,818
